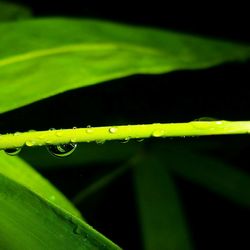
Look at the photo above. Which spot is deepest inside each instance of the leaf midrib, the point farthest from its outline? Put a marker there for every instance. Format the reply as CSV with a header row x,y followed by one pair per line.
x,y
75,48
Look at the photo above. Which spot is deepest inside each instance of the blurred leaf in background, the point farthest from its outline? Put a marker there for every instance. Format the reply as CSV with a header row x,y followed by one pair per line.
x,y
13,12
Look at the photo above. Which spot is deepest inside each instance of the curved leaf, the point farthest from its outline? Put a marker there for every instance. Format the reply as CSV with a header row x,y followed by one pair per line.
x,y
209,172
29,222
19,171
162,221
43,57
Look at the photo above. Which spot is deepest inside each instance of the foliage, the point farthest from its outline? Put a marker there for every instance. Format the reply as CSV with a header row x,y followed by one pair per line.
x,y
43,57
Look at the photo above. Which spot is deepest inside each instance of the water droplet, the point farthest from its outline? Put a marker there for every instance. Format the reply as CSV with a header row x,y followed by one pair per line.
x,y
32,130
77,230
17,133
140,140
89,130
12,151
62,150
112,130
29,143
100,141
73,140
219,122
205,119
74,127
126,140
158,133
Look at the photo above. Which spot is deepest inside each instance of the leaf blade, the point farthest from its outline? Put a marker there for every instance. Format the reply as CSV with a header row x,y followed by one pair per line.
x,y
89,52
163,224
30,222
19,171
208,172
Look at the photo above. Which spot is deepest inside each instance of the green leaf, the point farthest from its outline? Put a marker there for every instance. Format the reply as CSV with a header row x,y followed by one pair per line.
x,y
27,221
44,57
20,172
209,172
12,12
162,222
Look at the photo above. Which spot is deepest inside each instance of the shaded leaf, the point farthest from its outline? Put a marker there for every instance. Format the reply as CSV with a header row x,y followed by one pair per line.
x,y
209,172
44,57
30,222
12,12
162,221
19,171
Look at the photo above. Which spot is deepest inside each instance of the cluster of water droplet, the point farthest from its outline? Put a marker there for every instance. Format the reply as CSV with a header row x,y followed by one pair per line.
x,y
63,150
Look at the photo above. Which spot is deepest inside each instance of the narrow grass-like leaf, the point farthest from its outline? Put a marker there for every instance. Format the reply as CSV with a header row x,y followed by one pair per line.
x,y
43,57
29,222
19,171
10,11
209,172
162,221
97,185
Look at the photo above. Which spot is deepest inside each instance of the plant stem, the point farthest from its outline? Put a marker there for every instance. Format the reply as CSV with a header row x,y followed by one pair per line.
x,y
101,134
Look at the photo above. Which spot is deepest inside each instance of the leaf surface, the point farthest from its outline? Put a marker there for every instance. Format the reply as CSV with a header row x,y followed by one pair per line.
x,y
30,222
22,173
44,57
163,224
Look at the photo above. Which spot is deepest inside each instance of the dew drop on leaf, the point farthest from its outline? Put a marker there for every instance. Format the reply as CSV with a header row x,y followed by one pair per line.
x,y
126,140
62,150
77,230
12,151
205,119
112,130
29,143
100,141
158,133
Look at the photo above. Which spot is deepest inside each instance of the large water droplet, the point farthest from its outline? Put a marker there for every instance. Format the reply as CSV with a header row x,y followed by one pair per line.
x,y
62,150
12,151
158,133
29,143
112,130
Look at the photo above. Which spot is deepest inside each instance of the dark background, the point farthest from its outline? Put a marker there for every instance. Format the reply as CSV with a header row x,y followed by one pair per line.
x,y
221,92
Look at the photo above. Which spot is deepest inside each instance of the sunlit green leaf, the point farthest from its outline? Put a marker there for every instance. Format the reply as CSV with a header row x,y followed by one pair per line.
x,y
43,57
29,222
162,222
19,171
11,11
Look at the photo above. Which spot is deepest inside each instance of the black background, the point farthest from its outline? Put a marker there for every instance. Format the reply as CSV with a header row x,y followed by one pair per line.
x,y
220,92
